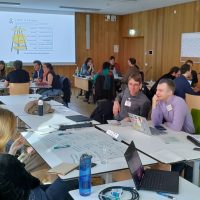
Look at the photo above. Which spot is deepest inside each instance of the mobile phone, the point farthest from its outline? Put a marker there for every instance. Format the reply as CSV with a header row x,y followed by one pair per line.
x,y
161,128
196,149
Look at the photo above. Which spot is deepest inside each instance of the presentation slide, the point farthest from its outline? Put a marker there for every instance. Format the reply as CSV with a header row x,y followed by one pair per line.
x,y
36,36
190,47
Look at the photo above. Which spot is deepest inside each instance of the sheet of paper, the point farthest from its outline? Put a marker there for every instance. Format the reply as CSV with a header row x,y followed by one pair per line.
x,y
63,168
88,140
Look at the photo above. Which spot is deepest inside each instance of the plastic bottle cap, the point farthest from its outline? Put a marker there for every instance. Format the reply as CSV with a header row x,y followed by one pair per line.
x,y
40,102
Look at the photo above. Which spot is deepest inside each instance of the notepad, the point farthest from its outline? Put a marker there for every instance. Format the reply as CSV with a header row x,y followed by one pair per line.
x,y
63,168
78,118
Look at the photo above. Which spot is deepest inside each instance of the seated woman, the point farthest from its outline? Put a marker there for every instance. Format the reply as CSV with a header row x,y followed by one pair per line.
x,y
2,70
15,182
104,71
104,83
51,79
88,67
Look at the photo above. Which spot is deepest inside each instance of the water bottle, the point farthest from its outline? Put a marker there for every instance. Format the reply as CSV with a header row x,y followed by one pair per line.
x,y
85,175
77,71
40,108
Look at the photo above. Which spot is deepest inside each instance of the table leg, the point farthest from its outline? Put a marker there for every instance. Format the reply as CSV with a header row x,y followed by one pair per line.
x,y
196,172
107,177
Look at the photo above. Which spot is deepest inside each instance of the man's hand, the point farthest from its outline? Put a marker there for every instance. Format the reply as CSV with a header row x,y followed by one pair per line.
x,y
116,108
154,101
126,119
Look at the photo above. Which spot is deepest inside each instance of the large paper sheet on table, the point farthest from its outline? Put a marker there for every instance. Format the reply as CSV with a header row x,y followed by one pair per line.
x,y
74,143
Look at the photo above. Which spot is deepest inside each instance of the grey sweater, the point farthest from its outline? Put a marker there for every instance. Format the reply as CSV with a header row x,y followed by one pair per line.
x,y
140,105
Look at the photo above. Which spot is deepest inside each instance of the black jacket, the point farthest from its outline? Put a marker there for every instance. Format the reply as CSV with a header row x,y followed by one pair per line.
x,y
15,181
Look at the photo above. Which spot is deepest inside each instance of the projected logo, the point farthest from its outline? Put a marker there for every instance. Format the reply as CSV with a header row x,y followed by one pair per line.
x,y
18,40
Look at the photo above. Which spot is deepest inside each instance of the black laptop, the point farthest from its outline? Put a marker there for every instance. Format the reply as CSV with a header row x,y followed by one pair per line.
x,y
150,179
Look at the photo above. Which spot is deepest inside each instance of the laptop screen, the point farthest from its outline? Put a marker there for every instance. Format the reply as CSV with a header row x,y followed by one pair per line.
x,y
134,164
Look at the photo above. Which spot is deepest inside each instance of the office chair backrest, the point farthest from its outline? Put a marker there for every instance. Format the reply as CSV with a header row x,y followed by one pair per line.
x,y
192,101
104,87
19,88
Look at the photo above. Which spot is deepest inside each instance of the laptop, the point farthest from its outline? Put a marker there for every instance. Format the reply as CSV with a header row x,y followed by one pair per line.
x,y
140,124
150,179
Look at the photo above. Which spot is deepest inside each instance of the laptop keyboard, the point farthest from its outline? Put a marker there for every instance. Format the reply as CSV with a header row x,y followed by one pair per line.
x,y
156,180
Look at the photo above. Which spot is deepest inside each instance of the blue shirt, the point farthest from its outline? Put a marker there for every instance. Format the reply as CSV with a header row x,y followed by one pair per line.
x,y
85,70
38,74
182,86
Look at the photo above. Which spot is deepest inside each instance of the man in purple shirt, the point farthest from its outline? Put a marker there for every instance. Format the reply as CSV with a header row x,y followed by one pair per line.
x,y
170,108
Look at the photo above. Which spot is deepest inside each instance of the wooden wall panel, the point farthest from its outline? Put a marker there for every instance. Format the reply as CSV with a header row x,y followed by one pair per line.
x,y
161,29
131,47
104,34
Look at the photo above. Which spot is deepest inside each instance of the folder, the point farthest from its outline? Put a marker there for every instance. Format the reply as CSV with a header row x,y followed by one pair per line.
x,y
63,168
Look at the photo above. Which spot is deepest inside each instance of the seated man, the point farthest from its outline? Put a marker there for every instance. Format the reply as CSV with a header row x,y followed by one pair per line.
x,y
18,75
173,73
182,85
166,106
194,77
132,100
38,71
114,67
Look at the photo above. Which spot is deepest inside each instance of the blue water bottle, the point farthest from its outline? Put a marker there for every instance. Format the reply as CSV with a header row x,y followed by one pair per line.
x,y
85,175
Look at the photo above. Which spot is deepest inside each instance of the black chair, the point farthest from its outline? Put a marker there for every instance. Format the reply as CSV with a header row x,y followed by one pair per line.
x,y
104,88
66,89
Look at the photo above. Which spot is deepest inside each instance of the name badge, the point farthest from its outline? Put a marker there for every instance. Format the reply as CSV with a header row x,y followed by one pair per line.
x,y
128,103
169,107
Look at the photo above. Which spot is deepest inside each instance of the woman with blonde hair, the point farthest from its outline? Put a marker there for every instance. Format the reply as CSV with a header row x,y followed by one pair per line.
x,y
15,182
8,131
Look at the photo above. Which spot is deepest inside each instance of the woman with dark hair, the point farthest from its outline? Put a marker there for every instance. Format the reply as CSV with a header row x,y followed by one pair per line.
x,y
88,67
2,70
52,80
87,70
104,83
104,71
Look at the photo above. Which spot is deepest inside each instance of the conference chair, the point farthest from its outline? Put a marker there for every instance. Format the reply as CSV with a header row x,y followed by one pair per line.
x,y
192,101
194,106
19,88
104,88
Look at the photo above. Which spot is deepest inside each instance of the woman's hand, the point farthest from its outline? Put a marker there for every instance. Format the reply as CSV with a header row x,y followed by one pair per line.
x,y
17,144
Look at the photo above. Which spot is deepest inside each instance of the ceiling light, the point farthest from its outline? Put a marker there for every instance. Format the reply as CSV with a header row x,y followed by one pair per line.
x,y
80,8
10,3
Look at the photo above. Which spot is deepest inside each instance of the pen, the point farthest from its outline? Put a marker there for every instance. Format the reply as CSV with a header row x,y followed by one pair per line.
x,y
60,147
166,195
